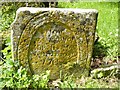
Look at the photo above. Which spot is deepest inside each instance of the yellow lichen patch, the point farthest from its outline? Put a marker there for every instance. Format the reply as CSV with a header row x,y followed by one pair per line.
x,y
53,48
55,40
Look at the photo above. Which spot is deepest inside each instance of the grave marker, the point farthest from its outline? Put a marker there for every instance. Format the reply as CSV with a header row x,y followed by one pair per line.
x,y
55,39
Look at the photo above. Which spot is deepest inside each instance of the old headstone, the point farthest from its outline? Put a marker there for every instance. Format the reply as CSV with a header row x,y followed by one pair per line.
x,y
55,39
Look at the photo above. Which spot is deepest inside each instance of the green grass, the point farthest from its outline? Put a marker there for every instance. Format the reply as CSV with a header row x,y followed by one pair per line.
x,y
107,29
107,24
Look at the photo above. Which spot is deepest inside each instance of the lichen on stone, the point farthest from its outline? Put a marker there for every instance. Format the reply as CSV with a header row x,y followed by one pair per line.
x,y
54,40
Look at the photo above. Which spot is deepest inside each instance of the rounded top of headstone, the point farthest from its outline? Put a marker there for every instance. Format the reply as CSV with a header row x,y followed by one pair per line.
x,y
75,10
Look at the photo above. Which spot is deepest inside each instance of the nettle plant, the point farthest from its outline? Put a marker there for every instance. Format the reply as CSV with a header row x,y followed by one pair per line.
x,y
12,75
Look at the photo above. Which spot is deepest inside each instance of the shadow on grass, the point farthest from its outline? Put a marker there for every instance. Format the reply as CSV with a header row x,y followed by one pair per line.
x,y
99,50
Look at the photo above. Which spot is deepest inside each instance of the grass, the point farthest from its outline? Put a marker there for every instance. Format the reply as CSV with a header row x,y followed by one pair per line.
x,y
107,24
107,29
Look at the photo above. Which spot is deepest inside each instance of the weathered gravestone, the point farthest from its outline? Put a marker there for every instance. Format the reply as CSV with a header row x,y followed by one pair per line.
x,y
55,39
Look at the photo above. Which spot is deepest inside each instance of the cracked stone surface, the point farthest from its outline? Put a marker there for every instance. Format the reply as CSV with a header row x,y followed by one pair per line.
x,y
55,39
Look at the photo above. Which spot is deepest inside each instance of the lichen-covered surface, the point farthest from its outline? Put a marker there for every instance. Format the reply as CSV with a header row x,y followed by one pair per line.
x,y
59,40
